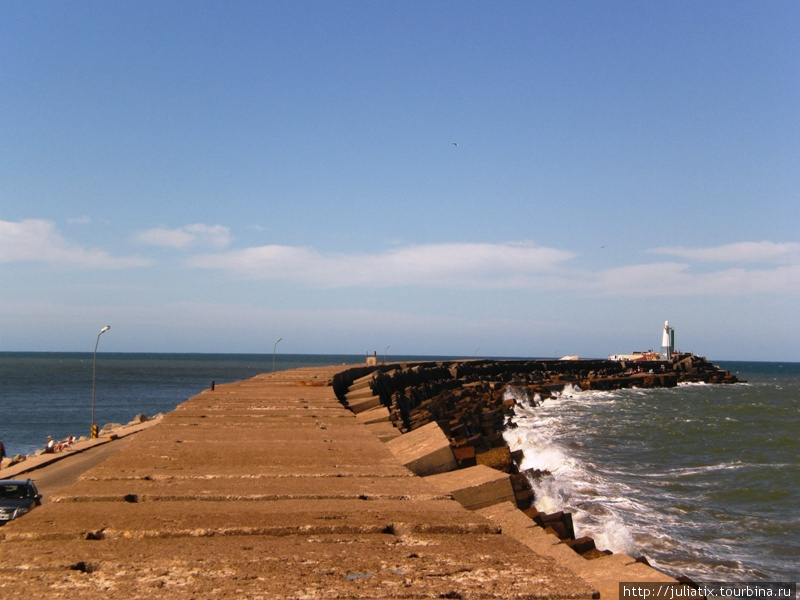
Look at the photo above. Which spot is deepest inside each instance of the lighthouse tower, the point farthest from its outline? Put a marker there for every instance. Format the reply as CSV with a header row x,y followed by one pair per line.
x,y
667,342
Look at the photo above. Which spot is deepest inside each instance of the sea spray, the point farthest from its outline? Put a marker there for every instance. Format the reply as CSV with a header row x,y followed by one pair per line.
x,y
700,479
570,484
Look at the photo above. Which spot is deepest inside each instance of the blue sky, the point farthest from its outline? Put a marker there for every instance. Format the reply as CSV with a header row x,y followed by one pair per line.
x,y
450,178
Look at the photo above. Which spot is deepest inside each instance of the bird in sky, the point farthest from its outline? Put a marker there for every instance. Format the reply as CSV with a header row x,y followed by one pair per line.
x,y
455,144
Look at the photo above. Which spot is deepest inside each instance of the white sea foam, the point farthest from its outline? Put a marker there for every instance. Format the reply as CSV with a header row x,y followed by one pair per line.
x,y
701,470
614,535
597,508
651,507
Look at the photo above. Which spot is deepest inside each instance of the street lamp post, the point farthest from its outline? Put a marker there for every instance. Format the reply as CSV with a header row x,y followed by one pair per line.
x,y
94,372
384,353
273,353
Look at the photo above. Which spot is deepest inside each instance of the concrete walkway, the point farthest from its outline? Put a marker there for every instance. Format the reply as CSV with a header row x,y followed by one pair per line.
x,y
25,469
265,488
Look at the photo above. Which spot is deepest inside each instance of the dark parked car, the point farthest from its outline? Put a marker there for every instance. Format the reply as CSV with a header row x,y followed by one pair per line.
x,y
17,497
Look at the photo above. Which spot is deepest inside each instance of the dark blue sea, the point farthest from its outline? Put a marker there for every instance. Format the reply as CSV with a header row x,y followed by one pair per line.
x,y
43,393
702,480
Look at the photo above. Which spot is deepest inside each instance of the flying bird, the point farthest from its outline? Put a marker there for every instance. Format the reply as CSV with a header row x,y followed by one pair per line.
x,y
455,144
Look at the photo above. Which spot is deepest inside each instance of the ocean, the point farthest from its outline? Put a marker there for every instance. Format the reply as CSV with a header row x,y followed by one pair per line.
x,y
43,393
702,480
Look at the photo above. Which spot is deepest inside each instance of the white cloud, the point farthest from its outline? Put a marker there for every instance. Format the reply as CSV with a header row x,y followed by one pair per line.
x,y
36,240
678,279
778,273
439,265
744,252
197,233
513,265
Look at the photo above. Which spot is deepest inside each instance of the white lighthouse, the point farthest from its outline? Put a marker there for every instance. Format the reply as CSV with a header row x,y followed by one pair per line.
x,y
667,342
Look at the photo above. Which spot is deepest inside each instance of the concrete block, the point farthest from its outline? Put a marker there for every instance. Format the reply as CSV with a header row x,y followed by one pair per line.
x,y
362,404
465,456
475,487
362,382
496,458
354,395
384,430
424,451
377,414
603,573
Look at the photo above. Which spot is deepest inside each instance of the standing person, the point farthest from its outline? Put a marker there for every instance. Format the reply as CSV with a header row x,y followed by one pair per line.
x,y
2,454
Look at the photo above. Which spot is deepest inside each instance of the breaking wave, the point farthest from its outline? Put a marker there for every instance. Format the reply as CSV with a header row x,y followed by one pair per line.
x,y
661,473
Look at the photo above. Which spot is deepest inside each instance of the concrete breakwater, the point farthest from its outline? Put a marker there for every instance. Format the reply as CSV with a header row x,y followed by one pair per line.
x,y
467,398
469,403
271,488
266,488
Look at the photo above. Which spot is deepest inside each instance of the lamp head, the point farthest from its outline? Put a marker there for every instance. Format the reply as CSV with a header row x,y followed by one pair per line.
x,y
106,328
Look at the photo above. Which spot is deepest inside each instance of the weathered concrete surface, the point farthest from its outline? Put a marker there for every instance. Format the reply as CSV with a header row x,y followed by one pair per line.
x,y
384,431
604,573
266,488
425,451
378,414
475,487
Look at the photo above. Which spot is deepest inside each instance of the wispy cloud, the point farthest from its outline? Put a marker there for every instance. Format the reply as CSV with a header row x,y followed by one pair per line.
x,y
181,237
742,252
679,279
506,265
747,267
36,240
757,268
519,265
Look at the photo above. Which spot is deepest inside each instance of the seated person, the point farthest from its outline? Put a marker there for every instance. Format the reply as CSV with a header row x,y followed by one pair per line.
x,y
64,444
